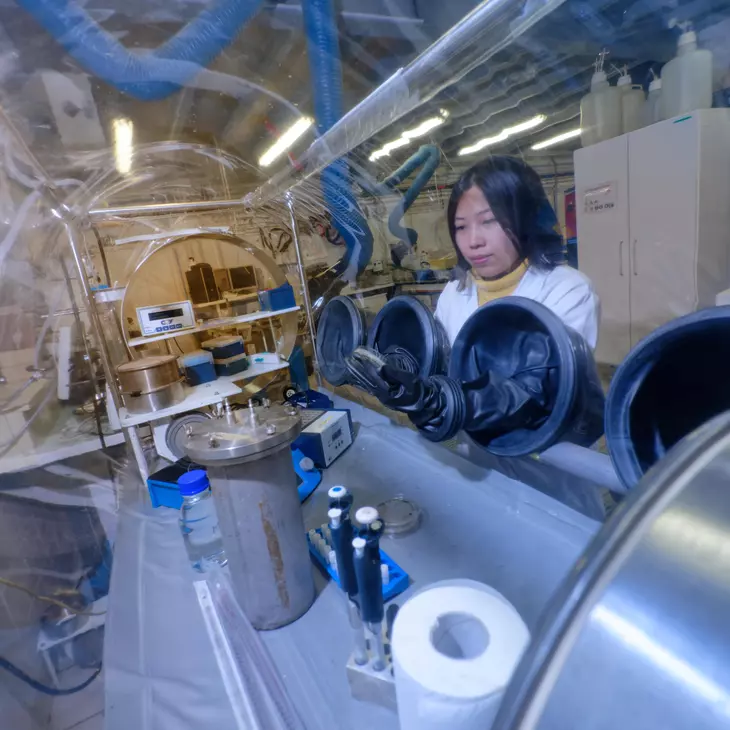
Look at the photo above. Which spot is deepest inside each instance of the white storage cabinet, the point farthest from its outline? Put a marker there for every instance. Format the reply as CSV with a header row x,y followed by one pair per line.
x,y
654,224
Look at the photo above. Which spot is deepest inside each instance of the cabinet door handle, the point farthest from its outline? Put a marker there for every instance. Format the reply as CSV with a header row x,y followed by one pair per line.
x,y
633,250
620,258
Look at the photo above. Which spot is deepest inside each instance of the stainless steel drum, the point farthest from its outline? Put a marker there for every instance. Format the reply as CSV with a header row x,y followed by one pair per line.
x,y
150,383
638,638
254,485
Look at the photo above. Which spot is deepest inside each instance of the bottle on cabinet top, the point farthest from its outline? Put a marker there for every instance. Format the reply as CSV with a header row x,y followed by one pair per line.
x,y
653,107
687,78
632,103
600,109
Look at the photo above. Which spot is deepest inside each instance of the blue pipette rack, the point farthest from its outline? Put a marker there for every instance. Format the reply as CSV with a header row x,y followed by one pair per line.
x,y
398,579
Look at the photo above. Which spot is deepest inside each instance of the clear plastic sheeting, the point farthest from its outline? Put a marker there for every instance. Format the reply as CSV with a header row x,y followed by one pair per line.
x,y
305,142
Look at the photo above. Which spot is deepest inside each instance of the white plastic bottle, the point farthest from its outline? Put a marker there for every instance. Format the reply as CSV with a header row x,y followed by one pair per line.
x,y
600,110
687,78
632,103
653,107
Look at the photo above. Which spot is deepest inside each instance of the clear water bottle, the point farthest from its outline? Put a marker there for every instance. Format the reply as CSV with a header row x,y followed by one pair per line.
x,y
199,522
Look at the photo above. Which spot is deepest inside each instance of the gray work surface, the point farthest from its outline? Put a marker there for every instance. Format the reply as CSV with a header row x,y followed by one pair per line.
x,y
161,671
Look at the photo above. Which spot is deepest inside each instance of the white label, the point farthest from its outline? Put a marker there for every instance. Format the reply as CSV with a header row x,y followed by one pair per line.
x,y
600,199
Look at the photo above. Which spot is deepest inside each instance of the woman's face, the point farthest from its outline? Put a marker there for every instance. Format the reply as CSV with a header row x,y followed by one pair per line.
x,y
480,238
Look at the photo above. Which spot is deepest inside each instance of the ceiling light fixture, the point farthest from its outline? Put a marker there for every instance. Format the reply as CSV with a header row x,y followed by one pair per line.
x,y
423,128
286,141
535,121
123,131
557,139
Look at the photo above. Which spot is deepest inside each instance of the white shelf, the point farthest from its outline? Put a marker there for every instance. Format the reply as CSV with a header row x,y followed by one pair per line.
x,y
254,370
207,394
211,324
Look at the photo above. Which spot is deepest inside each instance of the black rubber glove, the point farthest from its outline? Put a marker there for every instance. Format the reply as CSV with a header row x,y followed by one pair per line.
x,y
434,405
498,403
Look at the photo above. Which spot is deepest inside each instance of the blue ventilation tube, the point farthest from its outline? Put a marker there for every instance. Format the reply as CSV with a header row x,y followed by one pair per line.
x,y
427,156
323,52
146,76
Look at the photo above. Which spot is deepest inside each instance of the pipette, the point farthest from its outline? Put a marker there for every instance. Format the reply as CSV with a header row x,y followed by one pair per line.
x,y
341,540
369,581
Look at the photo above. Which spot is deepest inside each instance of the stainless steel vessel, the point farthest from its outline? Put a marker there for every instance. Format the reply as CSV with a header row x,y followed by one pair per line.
x,y
638,638
150,383
254,485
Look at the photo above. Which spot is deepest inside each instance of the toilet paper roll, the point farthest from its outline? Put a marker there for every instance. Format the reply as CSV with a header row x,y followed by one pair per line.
x,y
455,647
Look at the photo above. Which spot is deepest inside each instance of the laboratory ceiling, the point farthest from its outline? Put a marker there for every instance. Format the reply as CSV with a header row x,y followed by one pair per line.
x,y
255,88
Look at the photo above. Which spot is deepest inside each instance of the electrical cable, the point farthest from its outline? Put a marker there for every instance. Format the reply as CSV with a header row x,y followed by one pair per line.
x,y
49,599
35,684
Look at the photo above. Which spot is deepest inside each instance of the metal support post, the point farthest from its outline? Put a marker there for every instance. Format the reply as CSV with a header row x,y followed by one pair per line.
x,y
305,285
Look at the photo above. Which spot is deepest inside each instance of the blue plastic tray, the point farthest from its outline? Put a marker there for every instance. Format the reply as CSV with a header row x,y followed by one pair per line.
x,y
398,579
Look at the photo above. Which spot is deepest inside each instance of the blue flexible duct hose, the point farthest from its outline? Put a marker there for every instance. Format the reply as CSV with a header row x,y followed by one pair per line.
x,y
429,157
146,76
324,65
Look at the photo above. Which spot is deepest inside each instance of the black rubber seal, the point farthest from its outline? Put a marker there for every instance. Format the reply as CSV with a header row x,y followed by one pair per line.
x,y
341,329
407,324
671,383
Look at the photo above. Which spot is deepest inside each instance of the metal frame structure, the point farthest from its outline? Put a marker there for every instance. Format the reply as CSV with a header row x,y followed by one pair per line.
x,y
71,223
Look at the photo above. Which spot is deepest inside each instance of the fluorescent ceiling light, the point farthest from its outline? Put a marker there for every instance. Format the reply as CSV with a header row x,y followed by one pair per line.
x,y
555,140
482,143
423,128
123,131
535,121
524,126
285,141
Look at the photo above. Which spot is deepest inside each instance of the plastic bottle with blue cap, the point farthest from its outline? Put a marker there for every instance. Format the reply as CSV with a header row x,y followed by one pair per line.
x,y
199,522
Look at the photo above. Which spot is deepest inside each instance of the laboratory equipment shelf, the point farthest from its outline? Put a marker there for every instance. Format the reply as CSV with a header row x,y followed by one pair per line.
x,y
207,394
211,324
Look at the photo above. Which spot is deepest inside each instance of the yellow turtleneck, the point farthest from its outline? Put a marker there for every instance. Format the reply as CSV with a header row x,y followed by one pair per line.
x,y
490,289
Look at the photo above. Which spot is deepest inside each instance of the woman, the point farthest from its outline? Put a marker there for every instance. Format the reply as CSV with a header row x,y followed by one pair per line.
x,y
505,234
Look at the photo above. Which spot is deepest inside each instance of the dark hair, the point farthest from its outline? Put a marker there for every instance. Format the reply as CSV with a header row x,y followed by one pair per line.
x,y
519,204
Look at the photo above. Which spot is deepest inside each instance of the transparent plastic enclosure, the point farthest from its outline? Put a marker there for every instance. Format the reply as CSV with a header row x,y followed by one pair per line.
x,y
255,144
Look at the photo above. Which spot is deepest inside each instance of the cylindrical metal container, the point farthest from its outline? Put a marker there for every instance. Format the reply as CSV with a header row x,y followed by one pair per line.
x,y
254,485
637,637
167,396
148,374
150,383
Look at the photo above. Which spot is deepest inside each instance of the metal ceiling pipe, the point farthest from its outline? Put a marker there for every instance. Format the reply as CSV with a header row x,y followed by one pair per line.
x,y
637,637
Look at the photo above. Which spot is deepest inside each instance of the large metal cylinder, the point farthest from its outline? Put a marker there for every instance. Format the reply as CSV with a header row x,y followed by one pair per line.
x,y
638,638
254,486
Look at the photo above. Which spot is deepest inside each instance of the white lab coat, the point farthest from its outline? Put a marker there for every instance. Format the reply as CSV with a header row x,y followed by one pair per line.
x,y
563,290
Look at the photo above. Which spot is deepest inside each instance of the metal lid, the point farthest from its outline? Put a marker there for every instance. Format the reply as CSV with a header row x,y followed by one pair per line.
x,y
243,435
196,357
145,363
193,482
400,516
223,341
